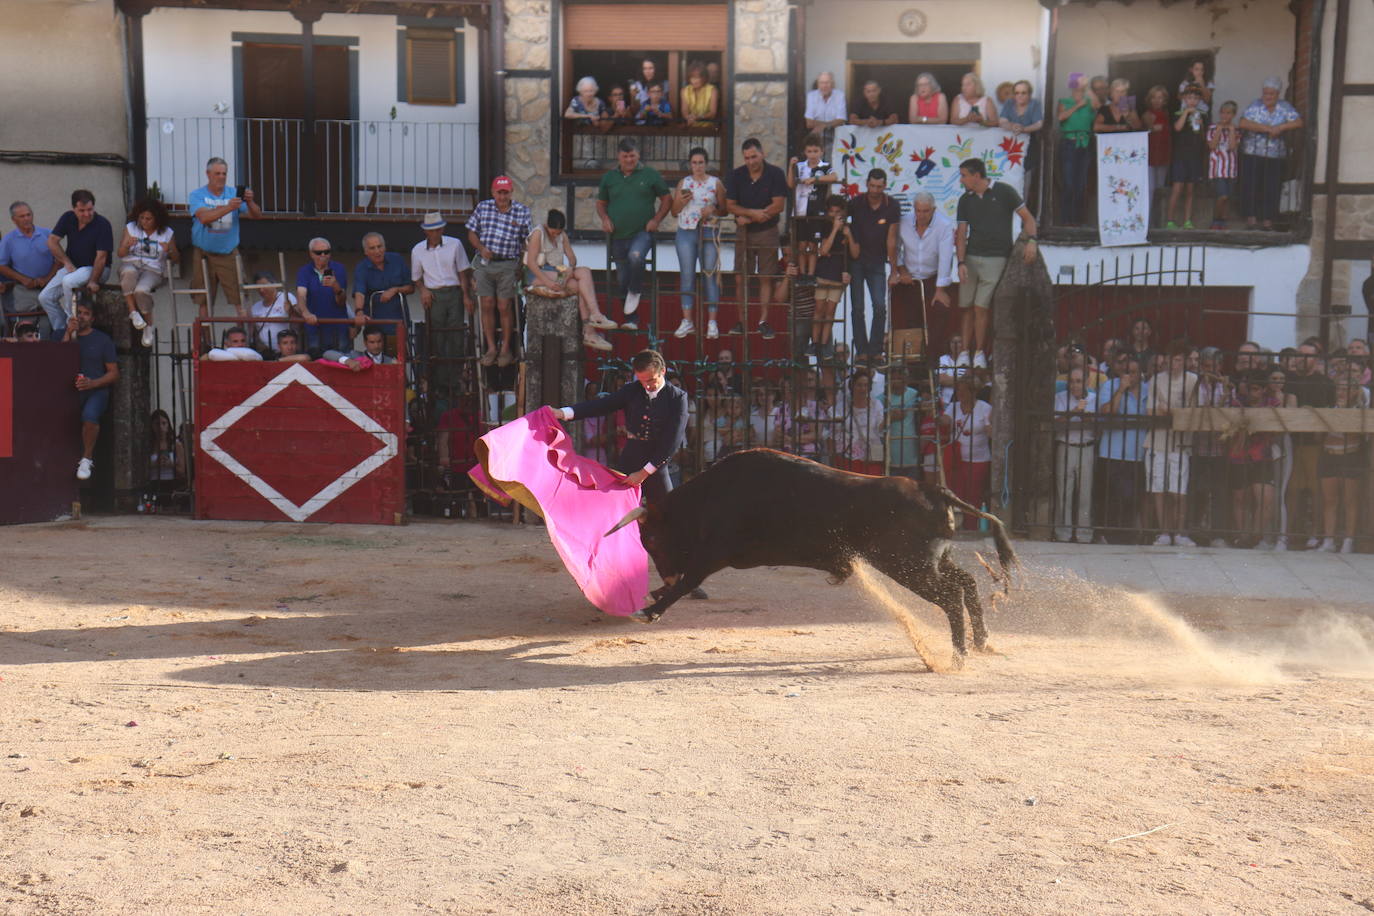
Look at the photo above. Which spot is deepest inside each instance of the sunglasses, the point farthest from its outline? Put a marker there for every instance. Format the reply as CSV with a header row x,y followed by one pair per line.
x,y
323,251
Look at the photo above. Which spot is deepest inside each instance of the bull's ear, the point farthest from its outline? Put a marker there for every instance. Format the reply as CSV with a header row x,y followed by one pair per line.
x,y
633,515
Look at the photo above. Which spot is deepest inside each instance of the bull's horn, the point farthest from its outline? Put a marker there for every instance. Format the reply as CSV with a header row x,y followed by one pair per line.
x,y
634,514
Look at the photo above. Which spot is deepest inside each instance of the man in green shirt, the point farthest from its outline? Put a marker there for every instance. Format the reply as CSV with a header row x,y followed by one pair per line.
x,y
625,202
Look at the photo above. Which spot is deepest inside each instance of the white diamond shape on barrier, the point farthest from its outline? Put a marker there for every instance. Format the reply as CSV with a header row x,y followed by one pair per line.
x,y
352,413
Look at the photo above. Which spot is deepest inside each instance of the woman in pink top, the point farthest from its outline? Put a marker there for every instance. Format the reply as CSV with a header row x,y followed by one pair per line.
x,y
971,105
928,105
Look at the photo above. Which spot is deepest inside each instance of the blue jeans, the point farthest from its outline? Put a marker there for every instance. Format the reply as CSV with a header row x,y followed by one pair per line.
x,y
702,242
629,255
1073,181
865,341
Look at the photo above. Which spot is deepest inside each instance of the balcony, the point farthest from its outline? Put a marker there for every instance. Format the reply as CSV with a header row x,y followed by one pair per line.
x,y
364,169
588,151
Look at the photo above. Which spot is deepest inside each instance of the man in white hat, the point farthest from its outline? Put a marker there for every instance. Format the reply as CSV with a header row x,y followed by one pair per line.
x,y
443,278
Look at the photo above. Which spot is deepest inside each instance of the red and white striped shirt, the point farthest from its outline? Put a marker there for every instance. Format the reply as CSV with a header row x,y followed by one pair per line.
x,y
1221,162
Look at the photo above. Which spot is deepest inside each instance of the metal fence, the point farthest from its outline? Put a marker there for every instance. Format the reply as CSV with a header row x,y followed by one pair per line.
x,y
592,151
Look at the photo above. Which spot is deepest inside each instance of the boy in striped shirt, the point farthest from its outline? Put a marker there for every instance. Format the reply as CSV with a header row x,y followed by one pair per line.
x,y
1223,141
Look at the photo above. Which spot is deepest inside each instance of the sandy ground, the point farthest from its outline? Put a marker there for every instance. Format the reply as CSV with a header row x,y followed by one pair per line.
x,y
239,718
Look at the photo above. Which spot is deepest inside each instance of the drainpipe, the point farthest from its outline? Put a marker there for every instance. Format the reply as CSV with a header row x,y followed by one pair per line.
x,y
1333,158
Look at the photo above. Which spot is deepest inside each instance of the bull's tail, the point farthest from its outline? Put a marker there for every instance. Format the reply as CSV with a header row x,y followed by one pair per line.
x,y
1006,555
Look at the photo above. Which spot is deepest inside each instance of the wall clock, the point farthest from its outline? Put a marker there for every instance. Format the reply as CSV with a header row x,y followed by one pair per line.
x,y
912,23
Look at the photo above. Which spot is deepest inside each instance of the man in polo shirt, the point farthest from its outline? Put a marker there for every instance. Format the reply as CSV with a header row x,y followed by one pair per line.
x,y
26,262
874,220
440,270
381,281
497,229
926,258
99,370
983,245
215,211
626,202
826,108
755,195
85,262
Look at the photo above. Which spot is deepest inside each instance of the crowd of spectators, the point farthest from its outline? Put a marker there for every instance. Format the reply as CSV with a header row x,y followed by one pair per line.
x,y
647,100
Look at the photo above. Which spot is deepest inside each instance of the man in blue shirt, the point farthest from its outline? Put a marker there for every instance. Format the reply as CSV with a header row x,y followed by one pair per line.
x,y
84,263
381,281
1120,462
215,211
26,262
99,370
321,292
903,425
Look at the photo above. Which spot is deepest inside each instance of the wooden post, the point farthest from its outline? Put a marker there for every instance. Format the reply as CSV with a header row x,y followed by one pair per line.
x,y
125,428
553,356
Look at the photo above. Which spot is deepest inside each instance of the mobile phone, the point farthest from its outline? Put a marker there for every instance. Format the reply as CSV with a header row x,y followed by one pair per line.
x,y
239,189
327,272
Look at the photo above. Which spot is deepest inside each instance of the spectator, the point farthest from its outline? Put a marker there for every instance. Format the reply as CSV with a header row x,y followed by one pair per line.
x,y
809,429
874,220
1248,357
271,311
1167,451
861,436
1076,114
699,101
442,275
756,193
1252,464
648,78
1110,347
27,263
729,427
656,110
373,352
1076,357
1073,462
1117,114
953,364
99,370
928,104
762,430
1099,89
1223,140
699,200
551,263
85,262
24,332
971,105
724,377
713,73
1358,348
1343,463
455,441
872,109
586,108
833,257
1024,116
1208,484
320,294
1118,449
166,455
1160,142
146,248
972,421
497,230
381,281
1262,151
983,245
617,108
215,213
901,424
1197,76
233,348
631,200
825,108
1142,336
1003,93
926,255
810,178
288,348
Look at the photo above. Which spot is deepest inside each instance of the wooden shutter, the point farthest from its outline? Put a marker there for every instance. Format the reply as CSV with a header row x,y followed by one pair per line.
x,y
431,58
645,27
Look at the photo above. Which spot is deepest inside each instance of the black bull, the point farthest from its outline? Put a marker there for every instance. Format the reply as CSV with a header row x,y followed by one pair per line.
x,y
764,508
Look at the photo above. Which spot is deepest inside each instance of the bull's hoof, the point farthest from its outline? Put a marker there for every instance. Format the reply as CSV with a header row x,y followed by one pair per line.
x,y
698,594
956,661
986,649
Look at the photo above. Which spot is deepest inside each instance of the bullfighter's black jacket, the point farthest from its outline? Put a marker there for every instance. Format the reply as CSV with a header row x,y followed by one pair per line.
x,y
657,426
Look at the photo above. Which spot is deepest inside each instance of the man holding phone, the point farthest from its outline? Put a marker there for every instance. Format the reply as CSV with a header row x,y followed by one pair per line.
x,y
216,209
321,292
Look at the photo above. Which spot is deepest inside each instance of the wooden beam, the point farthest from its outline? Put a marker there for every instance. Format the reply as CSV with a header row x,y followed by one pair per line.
x,y
1273,419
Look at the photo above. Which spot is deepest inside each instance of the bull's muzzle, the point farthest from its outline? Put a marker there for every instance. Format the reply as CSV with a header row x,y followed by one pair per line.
x,y
633,515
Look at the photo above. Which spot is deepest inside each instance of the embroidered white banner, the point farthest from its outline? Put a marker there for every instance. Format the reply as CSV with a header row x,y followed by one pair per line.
x,y
1123,188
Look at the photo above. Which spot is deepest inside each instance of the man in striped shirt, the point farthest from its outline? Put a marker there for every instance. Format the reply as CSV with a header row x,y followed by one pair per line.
x,y
498,228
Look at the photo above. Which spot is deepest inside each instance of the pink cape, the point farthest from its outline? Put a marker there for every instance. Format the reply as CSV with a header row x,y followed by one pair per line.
x,y
531,460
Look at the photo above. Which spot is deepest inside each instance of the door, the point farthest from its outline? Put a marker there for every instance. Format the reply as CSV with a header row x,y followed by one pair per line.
x,y
273,132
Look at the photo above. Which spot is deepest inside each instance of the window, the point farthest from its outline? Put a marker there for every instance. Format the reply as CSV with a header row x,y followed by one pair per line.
x,y
430,64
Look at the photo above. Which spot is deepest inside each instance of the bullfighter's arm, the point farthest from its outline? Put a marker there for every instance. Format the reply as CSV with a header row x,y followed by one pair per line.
x,y
598,407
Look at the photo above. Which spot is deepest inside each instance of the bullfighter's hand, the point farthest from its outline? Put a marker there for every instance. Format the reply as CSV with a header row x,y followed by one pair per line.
x,y
635,479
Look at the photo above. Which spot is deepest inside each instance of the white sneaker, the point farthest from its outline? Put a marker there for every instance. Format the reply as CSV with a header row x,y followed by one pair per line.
x,y
1218,544
1328,545
962,359
148,336
629,325
137,318
594,340
980,361
601,323
712,329
631,303
1182,540
1164,540
83,469
1264,544
1313,542
1281,543
684,329
1348,545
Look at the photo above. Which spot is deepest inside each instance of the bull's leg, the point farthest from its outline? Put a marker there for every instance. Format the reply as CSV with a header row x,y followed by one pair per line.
x,y
666,597
968,586
928,582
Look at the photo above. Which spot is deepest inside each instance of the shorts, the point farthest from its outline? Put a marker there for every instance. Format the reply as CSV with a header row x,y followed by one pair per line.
x,y
496,278
94,404
984,273
1188,169
1349,466
810,229
825,292
1166,472
759,249
1223,187
1250,473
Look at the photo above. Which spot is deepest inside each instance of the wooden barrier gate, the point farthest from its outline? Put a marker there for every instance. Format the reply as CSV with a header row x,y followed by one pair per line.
x,y
40,431
300,442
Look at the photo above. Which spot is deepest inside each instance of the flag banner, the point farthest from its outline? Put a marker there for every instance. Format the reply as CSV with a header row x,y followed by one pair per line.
x,y
1123,188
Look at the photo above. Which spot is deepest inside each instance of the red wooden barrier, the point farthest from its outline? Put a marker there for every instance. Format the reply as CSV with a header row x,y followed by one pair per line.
x,y
40,431
300,442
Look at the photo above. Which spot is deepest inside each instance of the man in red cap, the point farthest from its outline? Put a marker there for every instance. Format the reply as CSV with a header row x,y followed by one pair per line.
x,y
498,228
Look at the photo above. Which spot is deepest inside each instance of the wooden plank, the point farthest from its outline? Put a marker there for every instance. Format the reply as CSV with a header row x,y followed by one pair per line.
x,y
1274,419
